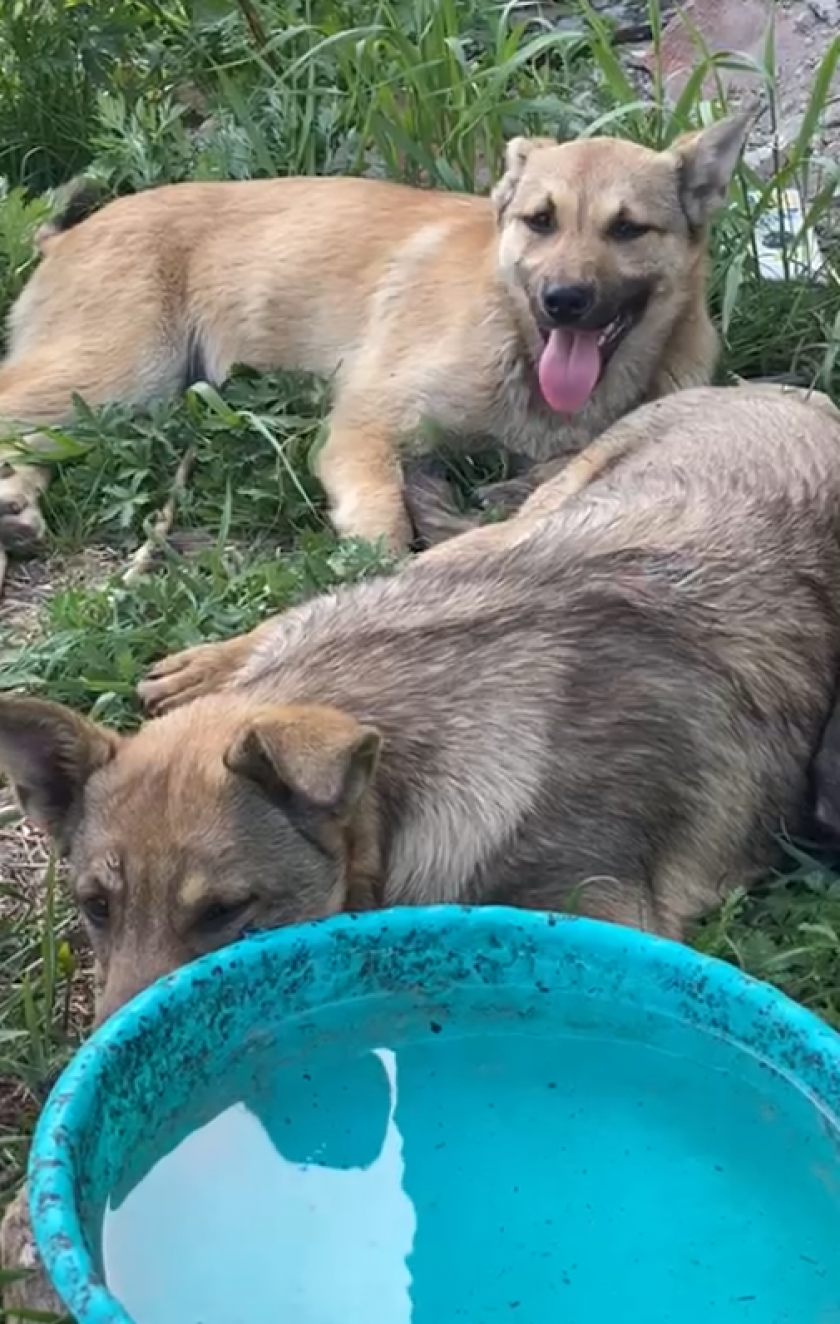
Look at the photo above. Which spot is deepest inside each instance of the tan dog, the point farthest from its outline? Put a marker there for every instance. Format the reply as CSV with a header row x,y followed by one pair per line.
x,y
611,706
535,320
660,649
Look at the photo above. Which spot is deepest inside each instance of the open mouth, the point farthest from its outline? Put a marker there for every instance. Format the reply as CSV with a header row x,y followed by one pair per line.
x,y
573,360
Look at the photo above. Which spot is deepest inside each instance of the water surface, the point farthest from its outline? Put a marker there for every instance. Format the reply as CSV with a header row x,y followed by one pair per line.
x,y
535,1175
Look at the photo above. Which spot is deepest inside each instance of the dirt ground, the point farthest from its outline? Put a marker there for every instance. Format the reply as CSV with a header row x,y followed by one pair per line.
x,y
28,588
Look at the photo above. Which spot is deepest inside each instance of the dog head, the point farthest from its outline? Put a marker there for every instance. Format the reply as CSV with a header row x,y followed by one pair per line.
x,y
603,237
220,818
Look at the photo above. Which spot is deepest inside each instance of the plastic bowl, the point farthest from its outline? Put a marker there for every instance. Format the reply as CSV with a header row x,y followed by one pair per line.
x,y
443,1115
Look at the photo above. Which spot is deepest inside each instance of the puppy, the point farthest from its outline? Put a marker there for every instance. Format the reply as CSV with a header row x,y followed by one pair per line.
x,y
534,319
608,705
613,711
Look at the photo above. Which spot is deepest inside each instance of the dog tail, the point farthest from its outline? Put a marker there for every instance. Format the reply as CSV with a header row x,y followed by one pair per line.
x,y
76,202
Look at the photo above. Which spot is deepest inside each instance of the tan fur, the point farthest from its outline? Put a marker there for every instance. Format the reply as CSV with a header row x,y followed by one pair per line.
x,y
421,307
411,657
622,440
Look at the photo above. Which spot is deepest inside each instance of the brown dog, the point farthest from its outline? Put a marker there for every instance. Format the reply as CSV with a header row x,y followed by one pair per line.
x,y
613,710
609,704
437,520
536,319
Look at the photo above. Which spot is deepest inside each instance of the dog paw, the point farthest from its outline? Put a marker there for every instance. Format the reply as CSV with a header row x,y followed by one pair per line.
x,y
27,1294
23,528
384,522
434,513
182,677
505,497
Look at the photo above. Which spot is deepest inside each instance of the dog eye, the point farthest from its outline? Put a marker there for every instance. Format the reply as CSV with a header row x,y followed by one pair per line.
x,y
540,222
221,915
96,910
624,229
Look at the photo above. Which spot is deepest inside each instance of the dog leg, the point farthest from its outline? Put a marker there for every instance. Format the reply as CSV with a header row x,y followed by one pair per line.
x,y
34,394
22,525
632,907
576,474
359,467
566,478
482,541
509,494
37,390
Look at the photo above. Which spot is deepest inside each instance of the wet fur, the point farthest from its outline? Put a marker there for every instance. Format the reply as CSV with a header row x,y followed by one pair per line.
x,y
664,639
609,704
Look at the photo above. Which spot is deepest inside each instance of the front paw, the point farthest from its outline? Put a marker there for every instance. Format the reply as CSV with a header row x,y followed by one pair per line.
x,y
505,497
431,505
177,679
184,676
374,519
23,528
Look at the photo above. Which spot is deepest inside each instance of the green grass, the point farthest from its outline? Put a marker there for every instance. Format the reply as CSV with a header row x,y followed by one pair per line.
x,y
423,90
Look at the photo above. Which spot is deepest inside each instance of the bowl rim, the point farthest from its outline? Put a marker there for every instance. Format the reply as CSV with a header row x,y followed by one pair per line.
x,y
55,1219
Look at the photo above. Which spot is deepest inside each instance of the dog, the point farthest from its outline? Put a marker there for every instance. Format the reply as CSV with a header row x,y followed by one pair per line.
x,y
610,704
613,709
438,521
535,318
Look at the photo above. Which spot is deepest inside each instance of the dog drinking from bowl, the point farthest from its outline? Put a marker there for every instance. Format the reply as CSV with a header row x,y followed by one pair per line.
x,y
609,704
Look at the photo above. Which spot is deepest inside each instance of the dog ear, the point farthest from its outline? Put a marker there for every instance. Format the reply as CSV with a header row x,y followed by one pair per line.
x,y
706,161
516,154
49,752
825,778
309,760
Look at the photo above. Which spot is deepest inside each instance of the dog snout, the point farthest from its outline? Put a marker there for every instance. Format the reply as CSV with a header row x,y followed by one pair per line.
x,y
567,305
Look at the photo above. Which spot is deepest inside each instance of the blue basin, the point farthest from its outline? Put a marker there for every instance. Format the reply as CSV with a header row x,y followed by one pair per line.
x,y
444,1115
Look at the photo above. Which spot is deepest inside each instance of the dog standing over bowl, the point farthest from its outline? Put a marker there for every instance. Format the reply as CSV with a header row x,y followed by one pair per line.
x,y
612,707
535,319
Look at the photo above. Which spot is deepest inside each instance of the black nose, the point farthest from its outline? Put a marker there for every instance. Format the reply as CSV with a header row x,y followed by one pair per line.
x,y
566,305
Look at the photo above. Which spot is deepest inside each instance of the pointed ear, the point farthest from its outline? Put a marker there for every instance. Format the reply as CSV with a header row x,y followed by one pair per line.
x,y
825,778
706,162
309,760
48,753
516,154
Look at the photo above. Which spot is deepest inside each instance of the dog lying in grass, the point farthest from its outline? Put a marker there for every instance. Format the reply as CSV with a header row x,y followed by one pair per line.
x,y
535,319
608,704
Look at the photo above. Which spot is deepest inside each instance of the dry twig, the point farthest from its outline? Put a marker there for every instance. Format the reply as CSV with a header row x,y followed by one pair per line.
x,y
143,560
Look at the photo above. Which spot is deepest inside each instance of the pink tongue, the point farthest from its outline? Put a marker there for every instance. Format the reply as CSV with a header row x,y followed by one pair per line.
x,y
569,369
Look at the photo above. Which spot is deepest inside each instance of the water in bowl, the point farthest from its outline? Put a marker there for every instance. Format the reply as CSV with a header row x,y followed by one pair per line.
x,y
532,1175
